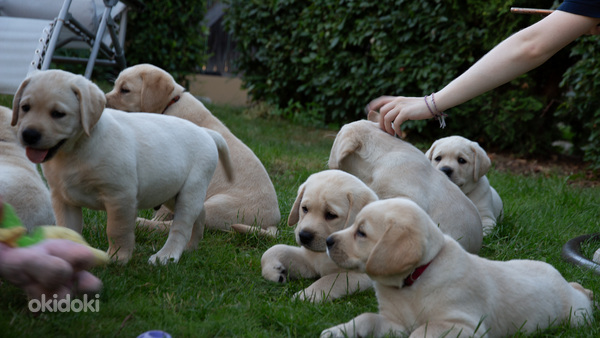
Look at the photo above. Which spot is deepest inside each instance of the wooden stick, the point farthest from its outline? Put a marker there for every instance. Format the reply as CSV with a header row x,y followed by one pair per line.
x,y
519,10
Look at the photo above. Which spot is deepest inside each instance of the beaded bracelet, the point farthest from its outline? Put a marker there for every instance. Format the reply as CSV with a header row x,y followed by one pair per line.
x,y
437,114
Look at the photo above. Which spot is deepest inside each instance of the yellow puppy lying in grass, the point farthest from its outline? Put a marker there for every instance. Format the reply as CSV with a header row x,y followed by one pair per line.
x,y
428,285
327,202
395,168
466,163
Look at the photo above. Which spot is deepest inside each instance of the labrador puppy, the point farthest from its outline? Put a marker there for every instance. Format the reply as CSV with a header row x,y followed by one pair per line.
x,y
428,285
20,182
395,168
106,159
249,198
466,164
327,202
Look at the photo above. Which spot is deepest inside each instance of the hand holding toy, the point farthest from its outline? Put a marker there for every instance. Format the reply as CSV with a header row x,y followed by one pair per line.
x,y
51,260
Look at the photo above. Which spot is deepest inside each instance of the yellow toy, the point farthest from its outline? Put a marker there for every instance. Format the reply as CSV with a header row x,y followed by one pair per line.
x,y
14,234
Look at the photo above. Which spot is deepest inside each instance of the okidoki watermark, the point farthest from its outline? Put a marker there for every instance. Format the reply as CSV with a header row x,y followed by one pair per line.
x,y
86,304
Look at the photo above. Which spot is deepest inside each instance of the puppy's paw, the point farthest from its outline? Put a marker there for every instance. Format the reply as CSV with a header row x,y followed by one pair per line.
x,y
275,272
163,259
118,256
488,225
310,295
331,332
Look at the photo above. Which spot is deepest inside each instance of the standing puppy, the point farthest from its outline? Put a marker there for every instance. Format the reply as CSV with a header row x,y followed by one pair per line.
x,y
466,164
395,168
327,202
107,160
429,286
20,183
249,198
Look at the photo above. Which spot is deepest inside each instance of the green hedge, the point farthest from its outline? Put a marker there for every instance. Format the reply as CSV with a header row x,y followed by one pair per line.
x,y
324,60
168,34
580,112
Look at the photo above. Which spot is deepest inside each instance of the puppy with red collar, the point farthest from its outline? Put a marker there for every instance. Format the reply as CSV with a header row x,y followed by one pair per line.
x,y
428,285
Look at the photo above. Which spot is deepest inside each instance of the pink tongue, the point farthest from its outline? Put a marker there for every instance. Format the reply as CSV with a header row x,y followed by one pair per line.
x,y
36,155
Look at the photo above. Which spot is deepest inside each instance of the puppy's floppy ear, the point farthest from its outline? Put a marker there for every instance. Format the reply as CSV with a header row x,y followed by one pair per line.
x,y
482,162
357,202
295,212
398,251
343,146
91,102
429,152
17,101
157,87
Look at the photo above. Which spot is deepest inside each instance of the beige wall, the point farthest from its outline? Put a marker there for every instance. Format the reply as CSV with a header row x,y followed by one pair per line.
x,y
219,89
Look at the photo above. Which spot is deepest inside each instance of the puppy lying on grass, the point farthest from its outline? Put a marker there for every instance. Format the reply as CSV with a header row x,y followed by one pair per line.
x,y
466,164
327,202
428,285
395,168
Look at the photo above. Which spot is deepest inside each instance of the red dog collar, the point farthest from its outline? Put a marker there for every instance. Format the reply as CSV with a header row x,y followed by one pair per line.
x,y
173,100
415,275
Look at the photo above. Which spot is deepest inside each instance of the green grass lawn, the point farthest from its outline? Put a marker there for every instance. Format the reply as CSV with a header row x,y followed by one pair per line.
x,y
218,289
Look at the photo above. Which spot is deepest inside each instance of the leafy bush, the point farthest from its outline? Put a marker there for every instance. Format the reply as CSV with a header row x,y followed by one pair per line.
x,y
581,109
337,55
168,34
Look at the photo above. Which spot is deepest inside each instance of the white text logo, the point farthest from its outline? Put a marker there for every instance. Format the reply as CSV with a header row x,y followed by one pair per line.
x,y
65,305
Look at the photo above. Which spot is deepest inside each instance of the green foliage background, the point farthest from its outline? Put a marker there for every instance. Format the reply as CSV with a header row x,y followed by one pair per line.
x,y
168,34
322,61
581,108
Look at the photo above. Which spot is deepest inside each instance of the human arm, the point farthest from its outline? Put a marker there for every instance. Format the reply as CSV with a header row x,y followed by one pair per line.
x,y
519,53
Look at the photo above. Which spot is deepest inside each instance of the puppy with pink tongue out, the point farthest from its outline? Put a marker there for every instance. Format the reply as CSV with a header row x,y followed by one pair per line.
x,y
106,159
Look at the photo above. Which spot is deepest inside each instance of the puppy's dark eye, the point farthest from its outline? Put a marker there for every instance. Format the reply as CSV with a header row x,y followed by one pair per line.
x,y
57,115
125,91
360,233
437,159
330,216
25,108
462,160
304,210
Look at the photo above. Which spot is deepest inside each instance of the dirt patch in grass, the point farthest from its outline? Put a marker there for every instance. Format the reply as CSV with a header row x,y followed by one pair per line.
x,y
579,172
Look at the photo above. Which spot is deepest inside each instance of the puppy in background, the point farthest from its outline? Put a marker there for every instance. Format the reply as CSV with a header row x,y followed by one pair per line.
x,y
327,202
466,164
395,168
105,159
427,285
249,198
20,182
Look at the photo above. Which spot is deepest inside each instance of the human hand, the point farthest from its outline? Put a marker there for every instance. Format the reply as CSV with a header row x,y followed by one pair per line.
x,y
53,266
396,110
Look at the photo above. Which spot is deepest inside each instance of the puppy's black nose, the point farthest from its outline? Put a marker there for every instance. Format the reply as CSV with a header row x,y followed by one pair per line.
x,y
306,237
447,170
330,241
31,136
